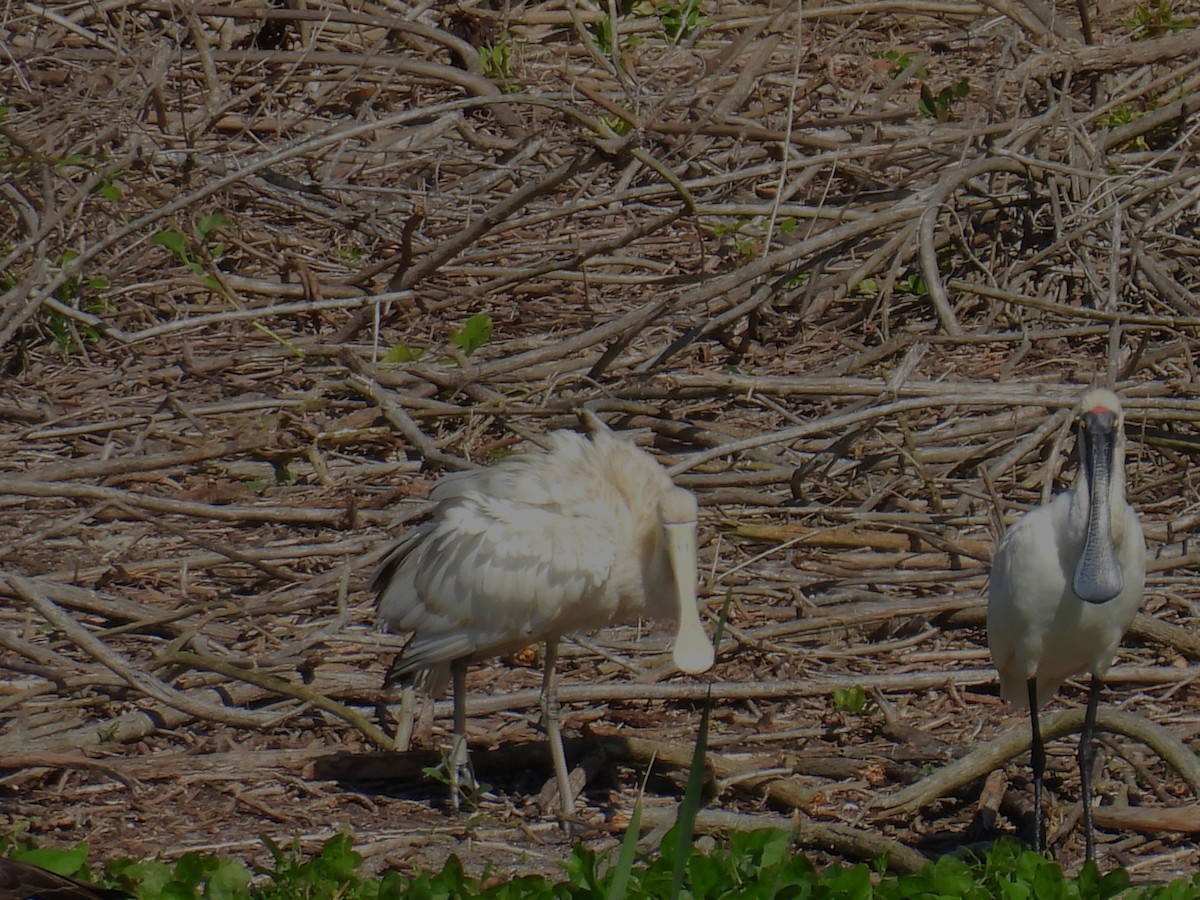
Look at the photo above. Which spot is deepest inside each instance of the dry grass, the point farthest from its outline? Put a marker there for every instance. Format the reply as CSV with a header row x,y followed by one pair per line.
x,y
850,326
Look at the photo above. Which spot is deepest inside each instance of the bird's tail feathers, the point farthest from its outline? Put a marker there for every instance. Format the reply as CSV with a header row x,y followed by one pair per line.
x,y
425,664
431,681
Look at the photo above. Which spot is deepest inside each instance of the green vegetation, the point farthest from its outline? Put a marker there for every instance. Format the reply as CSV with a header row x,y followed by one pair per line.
x,y
602,34
198,249
938,106
346,254
849,700
1155,20
677,22
680,21
497,62
930,105
750,235
747,246
901,61
758,864
868,287
109,189
913,283
468,337
1124,114
81,293
474,333
402,353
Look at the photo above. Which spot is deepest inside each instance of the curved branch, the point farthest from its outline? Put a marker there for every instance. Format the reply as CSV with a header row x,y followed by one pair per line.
x,y
841,840
987,757
925,233
138,679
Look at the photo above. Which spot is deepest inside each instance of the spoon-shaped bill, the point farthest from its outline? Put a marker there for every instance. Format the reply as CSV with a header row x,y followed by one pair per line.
x,y
1098,577
693,650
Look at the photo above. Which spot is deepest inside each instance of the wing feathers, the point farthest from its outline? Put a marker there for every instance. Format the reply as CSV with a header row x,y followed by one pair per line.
x,y
488,574
533,547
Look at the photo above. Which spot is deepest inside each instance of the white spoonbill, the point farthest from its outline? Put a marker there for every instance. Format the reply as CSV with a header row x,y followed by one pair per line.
x,y
588,533
1067,579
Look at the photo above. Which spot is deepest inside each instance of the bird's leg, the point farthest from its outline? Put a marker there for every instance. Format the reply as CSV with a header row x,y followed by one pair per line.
x,y
1085,21
460,763
1037,759
1087,754
558,754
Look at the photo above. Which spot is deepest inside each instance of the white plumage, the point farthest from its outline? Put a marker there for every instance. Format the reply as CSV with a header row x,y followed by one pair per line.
x,y
588,533
1066,582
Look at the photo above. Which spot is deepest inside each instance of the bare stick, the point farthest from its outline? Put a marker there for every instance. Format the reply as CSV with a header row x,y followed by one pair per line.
x,y
286,689
147,684
1014,741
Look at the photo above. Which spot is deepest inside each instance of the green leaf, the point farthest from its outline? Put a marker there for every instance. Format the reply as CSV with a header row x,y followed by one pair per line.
x,y
475,332
209,224
914,284
851,699
172,240
151,876
928,103
63,861
401,353
618,888
685,824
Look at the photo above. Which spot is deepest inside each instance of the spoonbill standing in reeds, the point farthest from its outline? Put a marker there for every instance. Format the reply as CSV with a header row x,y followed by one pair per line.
x,y
1067,579
588,533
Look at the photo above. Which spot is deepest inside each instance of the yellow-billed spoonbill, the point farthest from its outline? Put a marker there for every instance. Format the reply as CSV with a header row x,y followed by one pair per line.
x,y
588,533
1067,579
24,881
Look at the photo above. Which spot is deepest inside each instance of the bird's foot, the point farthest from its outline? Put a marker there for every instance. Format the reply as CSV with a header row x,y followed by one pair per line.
x,y
463,785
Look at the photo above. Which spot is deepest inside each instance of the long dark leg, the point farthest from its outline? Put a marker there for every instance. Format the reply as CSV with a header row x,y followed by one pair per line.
x,y
1037,759
1087,755
1085,21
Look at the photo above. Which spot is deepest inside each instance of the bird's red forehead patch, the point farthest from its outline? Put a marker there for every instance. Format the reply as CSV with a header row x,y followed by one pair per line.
x,y
1100,410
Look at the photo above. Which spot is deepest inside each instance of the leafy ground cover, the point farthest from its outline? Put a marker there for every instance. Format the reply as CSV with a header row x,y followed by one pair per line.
x,y
758,865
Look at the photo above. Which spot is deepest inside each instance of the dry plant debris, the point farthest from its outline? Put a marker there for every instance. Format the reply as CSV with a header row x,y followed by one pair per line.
x,y
846,265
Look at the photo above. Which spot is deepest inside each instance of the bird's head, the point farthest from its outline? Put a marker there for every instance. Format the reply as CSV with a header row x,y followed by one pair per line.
x,y
1100,412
